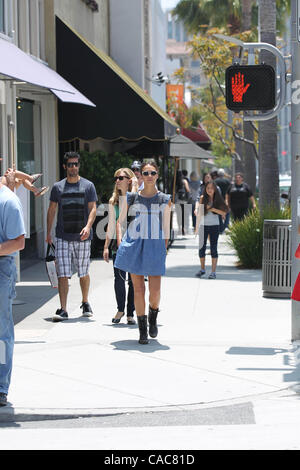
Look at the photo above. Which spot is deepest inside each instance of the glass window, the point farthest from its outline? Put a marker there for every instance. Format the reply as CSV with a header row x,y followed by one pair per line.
x,y
177,32
195,63
25,145
195,80
2,17
170,29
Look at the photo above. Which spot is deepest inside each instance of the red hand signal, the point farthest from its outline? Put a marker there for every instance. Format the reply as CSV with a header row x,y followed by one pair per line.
x,y
238,88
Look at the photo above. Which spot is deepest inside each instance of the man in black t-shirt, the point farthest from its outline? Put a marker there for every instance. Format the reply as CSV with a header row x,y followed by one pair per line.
x,y
75,198
239,196
224,185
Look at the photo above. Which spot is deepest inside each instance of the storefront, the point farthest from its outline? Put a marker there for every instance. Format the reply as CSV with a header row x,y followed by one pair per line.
x,y
28,91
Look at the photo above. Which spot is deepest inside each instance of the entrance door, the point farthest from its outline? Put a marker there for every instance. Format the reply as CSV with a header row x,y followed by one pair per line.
x,y
30,161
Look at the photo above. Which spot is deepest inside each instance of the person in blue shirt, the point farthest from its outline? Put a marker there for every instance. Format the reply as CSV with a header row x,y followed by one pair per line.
x,y
12,240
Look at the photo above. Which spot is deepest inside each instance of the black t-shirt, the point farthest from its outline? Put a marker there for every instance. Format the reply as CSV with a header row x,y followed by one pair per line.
x,y
239,196
224,184
73,213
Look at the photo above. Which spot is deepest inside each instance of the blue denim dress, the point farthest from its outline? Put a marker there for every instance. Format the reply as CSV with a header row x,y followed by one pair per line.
x,y
142,250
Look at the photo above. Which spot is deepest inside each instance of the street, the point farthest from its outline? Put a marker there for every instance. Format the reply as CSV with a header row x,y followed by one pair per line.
x,y
222,373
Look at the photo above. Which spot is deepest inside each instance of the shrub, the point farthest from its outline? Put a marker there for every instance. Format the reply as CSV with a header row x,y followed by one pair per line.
x,y
99,167
246,236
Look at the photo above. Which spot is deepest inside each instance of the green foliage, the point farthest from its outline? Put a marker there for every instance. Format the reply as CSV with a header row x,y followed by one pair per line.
x,y
246,236
99,167
198,15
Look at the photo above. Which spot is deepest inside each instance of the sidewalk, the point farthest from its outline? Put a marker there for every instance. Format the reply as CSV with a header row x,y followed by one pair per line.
x,y
219,342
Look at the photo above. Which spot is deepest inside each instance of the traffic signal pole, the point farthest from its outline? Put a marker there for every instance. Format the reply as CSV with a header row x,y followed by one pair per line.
x,y
295,135
295,164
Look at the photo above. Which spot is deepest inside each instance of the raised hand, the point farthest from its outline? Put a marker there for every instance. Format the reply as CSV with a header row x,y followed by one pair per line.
x,y
238,88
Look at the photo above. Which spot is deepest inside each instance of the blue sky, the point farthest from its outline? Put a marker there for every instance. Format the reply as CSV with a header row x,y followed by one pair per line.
x,y
168,4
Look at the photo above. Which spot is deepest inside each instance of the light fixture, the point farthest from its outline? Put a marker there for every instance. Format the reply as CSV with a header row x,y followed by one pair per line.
x,y
159,78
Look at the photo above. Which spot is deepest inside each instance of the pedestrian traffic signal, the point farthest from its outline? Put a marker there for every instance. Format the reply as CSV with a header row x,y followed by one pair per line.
x,y
250,87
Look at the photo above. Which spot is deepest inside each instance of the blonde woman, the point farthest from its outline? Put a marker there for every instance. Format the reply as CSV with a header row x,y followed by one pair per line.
x,y
125,180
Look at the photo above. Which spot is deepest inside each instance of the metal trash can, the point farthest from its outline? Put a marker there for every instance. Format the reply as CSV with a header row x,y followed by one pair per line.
x,y
276,263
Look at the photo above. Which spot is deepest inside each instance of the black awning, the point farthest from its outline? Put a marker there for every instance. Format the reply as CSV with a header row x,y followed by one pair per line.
x,y
123,110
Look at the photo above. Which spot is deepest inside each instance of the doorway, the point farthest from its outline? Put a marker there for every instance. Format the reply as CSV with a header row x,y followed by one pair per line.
x,y
29,151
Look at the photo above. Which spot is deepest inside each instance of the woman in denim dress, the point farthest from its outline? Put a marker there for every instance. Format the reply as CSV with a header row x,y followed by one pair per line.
x,y
144,246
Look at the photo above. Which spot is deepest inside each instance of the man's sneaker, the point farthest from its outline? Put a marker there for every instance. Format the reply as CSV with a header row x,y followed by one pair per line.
x,y
200,273
212,276
86,309
3,399
60,315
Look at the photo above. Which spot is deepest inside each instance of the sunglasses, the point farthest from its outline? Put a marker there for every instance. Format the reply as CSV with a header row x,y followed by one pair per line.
x,y
147,173
116,178
71,164
136,170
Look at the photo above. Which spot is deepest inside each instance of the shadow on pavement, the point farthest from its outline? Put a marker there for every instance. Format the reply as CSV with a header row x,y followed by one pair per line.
x,y
229,273
290,362
133,345
32,298
255,351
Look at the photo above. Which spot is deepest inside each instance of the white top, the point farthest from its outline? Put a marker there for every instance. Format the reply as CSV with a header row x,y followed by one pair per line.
x,y
211,219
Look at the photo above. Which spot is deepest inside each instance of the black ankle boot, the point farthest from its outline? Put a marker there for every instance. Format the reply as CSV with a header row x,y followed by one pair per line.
x,y
142,321
152,322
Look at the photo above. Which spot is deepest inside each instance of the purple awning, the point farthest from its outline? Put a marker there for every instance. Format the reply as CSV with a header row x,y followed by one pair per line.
x,y
17,64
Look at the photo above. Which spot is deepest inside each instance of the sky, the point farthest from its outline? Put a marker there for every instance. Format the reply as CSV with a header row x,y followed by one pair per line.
x,y
168,4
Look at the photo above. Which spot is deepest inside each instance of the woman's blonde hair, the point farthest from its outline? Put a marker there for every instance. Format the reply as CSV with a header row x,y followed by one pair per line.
x,y
114,200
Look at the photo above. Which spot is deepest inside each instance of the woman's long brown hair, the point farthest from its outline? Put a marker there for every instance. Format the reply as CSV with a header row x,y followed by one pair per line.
x,y
218,201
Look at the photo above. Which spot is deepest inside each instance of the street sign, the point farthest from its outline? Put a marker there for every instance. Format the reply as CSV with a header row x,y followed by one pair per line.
x,y
250,87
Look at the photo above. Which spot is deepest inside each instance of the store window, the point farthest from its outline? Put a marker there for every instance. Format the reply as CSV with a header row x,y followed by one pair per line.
x,y
29,158
195,80
195,63
6,17
2,19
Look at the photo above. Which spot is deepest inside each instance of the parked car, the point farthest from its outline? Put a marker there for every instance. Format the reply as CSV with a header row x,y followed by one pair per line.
x,y
285,189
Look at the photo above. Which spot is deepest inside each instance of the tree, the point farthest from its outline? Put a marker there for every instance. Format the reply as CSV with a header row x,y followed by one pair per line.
x,y
268,159
249,157
235,15
197,14
227,136
271,16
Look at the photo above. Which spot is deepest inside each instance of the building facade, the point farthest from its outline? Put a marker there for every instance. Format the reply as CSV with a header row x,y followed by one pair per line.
x,y
28,113
137,42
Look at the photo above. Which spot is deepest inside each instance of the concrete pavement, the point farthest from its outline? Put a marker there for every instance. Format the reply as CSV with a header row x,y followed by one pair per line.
x,y
220,343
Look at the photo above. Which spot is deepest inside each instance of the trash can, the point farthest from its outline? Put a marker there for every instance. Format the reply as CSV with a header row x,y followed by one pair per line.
x,y
276,263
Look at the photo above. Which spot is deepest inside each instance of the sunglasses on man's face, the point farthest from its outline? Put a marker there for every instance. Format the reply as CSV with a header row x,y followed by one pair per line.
x,y
71,164
136,170
151,173
116,178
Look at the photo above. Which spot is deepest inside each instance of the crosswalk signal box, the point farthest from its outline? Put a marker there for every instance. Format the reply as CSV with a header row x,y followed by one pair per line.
x,y
250,87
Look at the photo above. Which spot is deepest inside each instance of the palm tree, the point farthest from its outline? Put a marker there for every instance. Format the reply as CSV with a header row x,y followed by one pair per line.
x,y
236,14
249,157
197,14
268,159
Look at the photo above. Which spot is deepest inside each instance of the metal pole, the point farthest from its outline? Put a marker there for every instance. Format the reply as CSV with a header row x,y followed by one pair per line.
x,y
295,164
